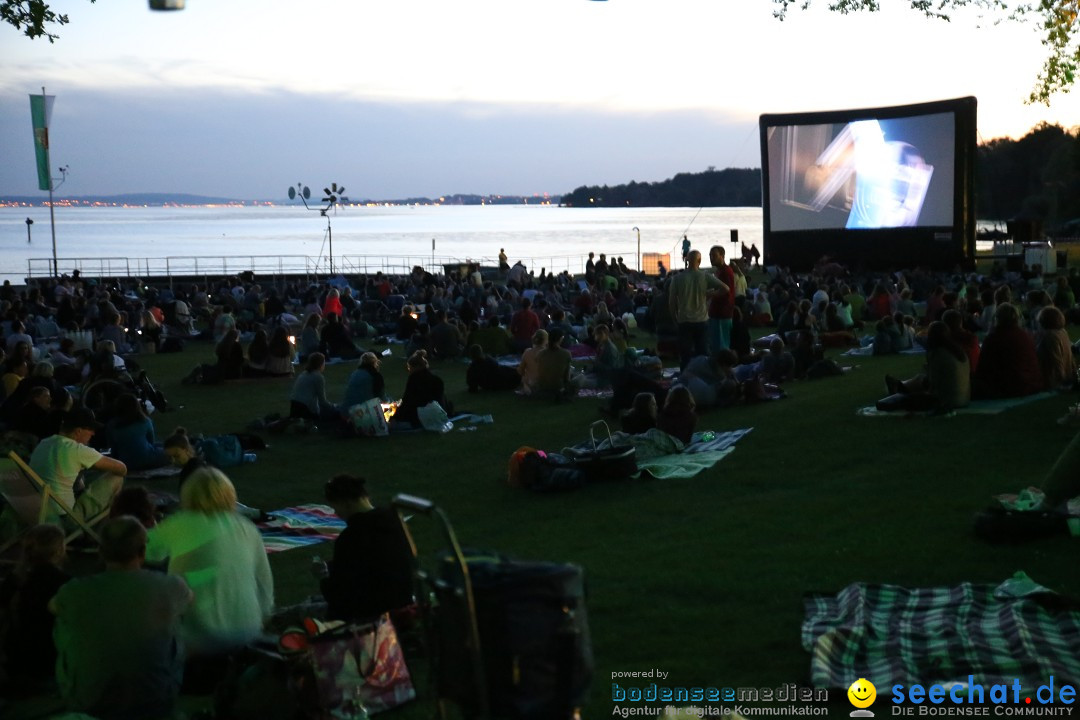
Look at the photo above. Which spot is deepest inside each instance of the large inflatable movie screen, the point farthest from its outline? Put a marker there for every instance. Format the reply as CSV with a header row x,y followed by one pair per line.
x,y
884,174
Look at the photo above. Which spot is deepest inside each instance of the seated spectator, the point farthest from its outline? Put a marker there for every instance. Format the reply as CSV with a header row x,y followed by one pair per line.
x,y
677,418
365,383
116,632
221,556
1008,362
485,373
523,325
778,365
29,652
445,337
946,384
335,340
905,326
422,388
135,500
641,416
308,398
528,368
492,338
371,571
407,322
183,454
1054,350
610,364
886,336
230,356
420,340
553,377
333,305
61,460
258,354
130,433
36,416
962,337
309,336
279,361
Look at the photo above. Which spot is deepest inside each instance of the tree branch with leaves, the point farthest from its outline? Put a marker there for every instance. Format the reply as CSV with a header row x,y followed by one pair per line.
x,y
33,18
1057,20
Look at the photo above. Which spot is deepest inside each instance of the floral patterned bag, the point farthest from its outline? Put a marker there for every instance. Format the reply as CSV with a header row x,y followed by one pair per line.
x,y
360,670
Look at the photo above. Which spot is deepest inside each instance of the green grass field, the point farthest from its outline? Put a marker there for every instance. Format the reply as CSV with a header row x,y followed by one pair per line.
x,y
701,578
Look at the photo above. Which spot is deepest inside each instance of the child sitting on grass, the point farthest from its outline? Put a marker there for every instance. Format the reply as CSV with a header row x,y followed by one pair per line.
x,y
678,418
642,416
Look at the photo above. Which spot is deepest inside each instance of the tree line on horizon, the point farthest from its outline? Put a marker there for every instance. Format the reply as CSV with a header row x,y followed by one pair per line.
x,y
731,187
1036,177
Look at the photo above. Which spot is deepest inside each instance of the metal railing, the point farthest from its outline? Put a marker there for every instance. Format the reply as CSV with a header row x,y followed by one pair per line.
x,y
280,265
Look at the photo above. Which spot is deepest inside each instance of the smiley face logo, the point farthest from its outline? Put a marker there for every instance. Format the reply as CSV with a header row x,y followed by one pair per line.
x,y
862,693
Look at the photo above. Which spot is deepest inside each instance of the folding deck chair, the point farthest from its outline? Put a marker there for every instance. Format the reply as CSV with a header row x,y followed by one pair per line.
x,y
29,498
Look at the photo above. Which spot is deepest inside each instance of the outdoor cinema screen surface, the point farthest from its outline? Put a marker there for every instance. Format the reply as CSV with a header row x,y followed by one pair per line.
x,y
863,174
889,186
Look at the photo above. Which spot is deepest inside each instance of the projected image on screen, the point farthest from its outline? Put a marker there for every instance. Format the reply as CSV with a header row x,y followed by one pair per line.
x,y
863,174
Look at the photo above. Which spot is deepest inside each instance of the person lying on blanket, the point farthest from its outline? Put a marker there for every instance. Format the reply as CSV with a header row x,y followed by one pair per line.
x,y
371,571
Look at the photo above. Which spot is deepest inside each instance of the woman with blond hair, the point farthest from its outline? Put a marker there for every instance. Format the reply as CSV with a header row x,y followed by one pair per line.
x,y
221,556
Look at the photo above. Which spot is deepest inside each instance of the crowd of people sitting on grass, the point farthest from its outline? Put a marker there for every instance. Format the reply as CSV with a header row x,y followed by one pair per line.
x,y
64,333
67,374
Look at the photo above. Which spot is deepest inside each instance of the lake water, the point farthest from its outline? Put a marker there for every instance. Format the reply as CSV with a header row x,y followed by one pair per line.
x,y
210,239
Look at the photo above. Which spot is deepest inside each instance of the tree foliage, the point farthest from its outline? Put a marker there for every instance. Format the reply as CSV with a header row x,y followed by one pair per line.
x,y
1056,20
1036,177
33,18
732,187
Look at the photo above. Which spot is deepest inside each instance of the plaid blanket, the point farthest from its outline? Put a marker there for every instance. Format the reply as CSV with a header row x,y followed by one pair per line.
x,y
889,635
300,526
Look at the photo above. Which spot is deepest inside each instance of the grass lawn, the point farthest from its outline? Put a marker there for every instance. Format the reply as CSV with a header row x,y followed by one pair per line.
x,y
701,578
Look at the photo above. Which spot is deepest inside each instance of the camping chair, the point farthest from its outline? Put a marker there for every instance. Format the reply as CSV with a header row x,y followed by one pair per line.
x,y
28,497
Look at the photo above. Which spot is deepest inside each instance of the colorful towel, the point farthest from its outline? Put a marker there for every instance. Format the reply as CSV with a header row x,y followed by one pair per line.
x,y
894,635
300,526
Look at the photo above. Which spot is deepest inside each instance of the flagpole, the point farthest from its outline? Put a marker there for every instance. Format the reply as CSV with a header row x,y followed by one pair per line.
x,y
52,216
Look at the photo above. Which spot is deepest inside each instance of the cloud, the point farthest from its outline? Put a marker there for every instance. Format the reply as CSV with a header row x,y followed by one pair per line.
x,y
255,145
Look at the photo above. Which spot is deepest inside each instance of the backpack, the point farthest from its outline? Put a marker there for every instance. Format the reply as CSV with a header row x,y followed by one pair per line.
x,y
221,451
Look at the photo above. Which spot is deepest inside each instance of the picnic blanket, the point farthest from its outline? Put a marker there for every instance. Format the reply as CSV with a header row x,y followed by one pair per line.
x,y
977,407
868,351
299,526
896,635
664,456
160,472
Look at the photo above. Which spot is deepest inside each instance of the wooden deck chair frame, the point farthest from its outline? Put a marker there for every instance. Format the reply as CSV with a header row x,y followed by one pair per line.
x,y
47,496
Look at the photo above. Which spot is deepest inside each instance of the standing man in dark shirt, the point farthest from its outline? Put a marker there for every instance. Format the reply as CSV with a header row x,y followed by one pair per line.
x,y
371,572
721,304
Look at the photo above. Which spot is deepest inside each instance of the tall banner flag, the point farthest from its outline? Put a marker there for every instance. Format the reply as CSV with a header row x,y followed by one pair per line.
x,y
40,113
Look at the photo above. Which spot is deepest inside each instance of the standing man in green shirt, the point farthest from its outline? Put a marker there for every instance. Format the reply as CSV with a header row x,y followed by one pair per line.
x,y
687,299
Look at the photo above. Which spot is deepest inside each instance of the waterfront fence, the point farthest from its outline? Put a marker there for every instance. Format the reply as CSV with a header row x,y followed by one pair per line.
x,y
284,265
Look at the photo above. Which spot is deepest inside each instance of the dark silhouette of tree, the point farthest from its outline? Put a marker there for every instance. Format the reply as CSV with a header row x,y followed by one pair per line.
x,y
1036,177
732,187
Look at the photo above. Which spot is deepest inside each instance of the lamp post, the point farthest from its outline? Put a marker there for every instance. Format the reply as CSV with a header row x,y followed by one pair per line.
x,y
29,222
638,231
